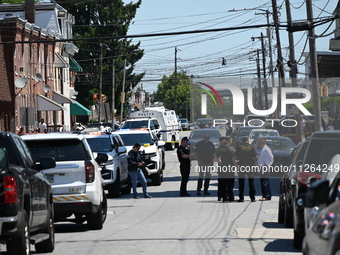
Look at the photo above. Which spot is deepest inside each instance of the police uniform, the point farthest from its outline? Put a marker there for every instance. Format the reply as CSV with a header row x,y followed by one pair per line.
x,y
184,167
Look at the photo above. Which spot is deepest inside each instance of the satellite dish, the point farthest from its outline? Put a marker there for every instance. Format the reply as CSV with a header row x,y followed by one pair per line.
x,y
46,88
21,82
38,77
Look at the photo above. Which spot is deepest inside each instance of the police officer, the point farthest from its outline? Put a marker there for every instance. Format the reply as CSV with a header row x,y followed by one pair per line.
x,y
183,155
246,156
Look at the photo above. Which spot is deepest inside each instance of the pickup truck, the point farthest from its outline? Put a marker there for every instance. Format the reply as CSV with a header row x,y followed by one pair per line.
x,y
26,205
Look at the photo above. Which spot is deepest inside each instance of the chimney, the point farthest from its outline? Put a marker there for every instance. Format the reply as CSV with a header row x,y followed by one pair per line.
x,y
30,11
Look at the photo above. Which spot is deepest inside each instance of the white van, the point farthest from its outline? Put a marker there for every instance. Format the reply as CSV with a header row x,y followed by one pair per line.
x,y
168,121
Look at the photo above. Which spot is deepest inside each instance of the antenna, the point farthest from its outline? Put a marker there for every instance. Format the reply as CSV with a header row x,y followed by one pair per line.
x,y
20,83
46,88
38,77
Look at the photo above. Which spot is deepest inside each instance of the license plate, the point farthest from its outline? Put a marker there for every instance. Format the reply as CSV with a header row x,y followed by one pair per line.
x,y
50,178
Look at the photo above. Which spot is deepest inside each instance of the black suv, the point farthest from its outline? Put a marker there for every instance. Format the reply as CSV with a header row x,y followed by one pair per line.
x,y
321,148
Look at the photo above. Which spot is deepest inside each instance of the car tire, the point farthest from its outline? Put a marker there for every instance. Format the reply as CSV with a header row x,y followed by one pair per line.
x,y
128,185
95,220
280,216
48,244
20,244
297,241
114,188
288,216
156,178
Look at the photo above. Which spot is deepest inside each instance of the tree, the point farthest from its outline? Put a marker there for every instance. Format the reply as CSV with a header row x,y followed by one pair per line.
x,y
105,18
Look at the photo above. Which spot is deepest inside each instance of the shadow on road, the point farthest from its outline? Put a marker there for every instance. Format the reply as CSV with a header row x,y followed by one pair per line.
x,y
281,245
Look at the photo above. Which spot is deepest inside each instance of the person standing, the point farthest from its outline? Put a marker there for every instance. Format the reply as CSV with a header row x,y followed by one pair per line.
x,y
264,161
135,165
205,151
42,126
229,129
226,177
183,154
245,154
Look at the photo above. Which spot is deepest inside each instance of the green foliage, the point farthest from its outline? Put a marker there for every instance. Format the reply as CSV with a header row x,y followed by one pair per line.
x,y
105,18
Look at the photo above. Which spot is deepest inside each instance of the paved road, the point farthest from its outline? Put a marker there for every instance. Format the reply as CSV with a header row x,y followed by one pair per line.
x,y
169,224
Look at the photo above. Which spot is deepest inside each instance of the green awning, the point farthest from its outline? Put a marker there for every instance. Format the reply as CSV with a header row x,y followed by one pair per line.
x,y
78,109
74,66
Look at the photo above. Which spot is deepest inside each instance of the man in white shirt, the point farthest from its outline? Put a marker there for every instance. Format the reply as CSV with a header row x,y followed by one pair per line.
x,y
42,126
265,159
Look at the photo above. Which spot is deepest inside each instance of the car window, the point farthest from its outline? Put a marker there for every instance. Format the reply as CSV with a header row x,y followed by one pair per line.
x,y
60,150
135,124
152,125
263,133
320,151
285,145
200,134
131,139
100,144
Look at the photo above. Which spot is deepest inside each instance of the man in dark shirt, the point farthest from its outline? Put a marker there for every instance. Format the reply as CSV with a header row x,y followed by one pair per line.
x,y
183,155
246,156
205,151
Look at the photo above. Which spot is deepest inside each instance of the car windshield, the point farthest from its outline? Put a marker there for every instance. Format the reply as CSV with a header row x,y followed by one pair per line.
x,y
131,139
255,134
183,120
135,124
320,151
214,135
60,150
245,131
100,144
283,145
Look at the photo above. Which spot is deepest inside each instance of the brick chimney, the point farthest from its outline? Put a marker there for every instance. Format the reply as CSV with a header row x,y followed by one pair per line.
x,y
30,11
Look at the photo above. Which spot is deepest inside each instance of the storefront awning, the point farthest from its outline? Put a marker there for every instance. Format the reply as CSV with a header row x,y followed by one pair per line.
x,y
61,99
78,109
46,104
59,61
74,66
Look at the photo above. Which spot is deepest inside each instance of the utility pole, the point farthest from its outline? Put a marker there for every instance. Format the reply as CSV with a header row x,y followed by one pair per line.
x,y
100,82
113,93
175,80
293,71
192,106
264,73
123,94
259,78
314,69
279,53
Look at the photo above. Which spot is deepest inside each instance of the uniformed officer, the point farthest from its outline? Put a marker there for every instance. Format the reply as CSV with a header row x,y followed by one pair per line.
x,y
183,154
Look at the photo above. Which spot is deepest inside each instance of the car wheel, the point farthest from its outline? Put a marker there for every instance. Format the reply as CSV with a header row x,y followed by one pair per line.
x,y
48,244
127,188
95,220
281,212
288,216
114,188
156,179
297,242
20,244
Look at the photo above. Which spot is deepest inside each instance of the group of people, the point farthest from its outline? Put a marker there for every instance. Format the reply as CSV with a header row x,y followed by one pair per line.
x,y
228,159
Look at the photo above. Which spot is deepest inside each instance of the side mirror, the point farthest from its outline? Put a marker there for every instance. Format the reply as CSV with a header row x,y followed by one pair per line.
x,y
317,193
121,150
46,163
3,158
101,158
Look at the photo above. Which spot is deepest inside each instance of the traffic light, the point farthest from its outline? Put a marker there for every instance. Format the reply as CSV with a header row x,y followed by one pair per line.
x,y
102,98
95,98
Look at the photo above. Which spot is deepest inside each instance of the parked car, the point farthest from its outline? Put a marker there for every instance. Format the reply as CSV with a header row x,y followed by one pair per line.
x,y
26,207
241,131
184,123
321,148
288,183
150,124
76,180
255,133
115,171
152,152
204,123
198,134
322,212
255,120
281,148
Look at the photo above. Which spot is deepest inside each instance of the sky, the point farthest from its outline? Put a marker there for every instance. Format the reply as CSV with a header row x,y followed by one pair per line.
x,y
201,54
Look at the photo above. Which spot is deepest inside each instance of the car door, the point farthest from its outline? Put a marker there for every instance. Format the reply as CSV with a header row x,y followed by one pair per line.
x,y
123,165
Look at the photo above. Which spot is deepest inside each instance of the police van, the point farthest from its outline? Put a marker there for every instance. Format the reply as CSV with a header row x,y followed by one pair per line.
x,y
168,122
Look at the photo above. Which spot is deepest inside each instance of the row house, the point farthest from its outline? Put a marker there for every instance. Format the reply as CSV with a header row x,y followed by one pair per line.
x,y
37,67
